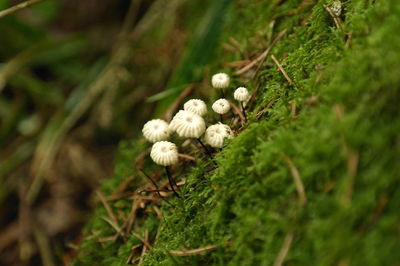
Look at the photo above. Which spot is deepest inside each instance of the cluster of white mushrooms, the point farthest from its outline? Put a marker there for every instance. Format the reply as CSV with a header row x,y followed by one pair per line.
x,y
189,123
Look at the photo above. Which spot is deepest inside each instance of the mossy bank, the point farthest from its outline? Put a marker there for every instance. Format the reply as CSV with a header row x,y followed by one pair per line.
x,y
335,127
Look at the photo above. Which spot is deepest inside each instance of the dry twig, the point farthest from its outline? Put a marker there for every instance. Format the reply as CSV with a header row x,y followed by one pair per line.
x,y
282,70
237,110
187,157
293,109
261,111
297,180
261,57
145,247
144,240
175,105
284,249
107,207
18,7
196,251
131,218
336,19
352,165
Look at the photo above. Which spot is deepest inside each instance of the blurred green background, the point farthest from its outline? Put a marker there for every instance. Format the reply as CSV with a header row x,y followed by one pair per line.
x,y
74,79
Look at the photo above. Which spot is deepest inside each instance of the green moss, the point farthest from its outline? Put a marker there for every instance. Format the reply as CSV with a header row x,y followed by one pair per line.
x,y
343,141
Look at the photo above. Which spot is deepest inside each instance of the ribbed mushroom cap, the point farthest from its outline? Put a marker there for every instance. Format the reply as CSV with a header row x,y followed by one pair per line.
x,y
188,124
241,94
220,81
221,106
156,130
216,134
174,122
164,153
196,106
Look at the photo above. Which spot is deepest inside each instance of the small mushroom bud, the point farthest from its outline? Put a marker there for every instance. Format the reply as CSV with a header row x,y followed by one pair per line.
x,y
221,106
196,106
241,94
164,153
336,8
156,130
220,81
189,125
216,134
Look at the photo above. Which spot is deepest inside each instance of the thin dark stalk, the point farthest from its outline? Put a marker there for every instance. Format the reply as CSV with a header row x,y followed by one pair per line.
x,y
244,111
221,118
222,93
205,148
155,184
171,181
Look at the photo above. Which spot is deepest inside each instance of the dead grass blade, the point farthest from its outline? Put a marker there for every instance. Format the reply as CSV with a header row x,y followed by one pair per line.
x,y
336,19
297,179
282,70
262,57
352,166
196,251
144,240
18,7
237,111
284,249
187,157
107,207
145,247
175,105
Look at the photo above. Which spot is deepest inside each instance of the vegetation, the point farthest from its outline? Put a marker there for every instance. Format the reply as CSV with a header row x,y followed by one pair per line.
x,y
330,128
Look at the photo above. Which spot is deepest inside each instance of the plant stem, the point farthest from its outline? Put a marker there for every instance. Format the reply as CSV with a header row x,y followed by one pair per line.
x,y
171,181
157,190
221,118
205,148
222,93
244,111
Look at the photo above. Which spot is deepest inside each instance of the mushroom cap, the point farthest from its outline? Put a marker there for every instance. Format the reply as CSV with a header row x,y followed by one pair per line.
x,y
174,122
196,106
220,81
221,106
336,8
216,134
164,153
156,130
188,124
241,94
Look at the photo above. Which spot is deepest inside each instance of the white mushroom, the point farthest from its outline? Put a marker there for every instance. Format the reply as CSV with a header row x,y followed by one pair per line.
x,y
156,130
336,8
164,153
174,122
216,134
241,94
221,106
220,81
189,125
196,106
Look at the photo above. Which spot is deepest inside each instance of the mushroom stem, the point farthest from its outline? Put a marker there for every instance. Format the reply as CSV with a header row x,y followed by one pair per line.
x,y
171,181
222,93
205,148
243,110
157,190
221,118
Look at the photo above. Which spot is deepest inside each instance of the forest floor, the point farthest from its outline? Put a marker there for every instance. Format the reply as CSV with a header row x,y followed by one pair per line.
x,y
310,179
